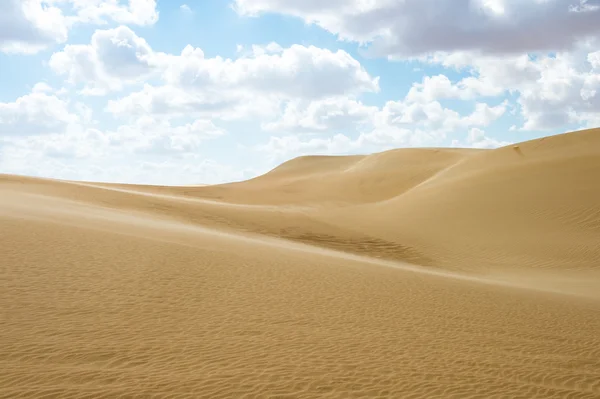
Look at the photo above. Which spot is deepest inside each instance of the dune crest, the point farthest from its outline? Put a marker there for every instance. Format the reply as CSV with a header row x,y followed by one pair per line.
x,y
437,273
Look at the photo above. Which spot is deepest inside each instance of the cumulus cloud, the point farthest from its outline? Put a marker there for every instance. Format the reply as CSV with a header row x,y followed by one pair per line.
x,y
417,27
279,148
117,57
476,138
155,136
82,161
294,72
566,91
253,84
305,99
36,113
552,90
28,26
594,60
396,124
133,12
440,87
433,117
60,129
327,115
114,58
42,136
40,124
170,101
344,125
64,146
42,87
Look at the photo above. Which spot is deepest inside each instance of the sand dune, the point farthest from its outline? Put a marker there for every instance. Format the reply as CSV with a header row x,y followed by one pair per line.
x,y
413,273
338,180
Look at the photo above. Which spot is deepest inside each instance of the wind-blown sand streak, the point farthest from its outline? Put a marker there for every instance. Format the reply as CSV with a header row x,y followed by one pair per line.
x,y
411,273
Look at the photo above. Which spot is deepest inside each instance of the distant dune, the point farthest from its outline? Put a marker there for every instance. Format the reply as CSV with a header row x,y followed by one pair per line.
x,y
412,273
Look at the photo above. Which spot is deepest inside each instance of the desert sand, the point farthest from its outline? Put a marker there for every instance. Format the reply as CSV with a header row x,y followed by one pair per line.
x,y
412,273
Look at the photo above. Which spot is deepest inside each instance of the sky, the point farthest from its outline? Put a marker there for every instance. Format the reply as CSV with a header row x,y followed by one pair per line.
x,y
212,91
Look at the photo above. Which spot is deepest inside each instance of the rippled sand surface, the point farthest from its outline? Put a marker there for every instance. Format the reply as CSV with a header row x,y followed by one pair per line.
x,y
417,273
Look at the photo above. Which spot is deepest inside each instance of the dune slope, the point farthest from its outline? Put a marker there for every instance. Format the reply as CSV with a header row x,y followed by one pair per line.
x,y
338,180
144,291
531,206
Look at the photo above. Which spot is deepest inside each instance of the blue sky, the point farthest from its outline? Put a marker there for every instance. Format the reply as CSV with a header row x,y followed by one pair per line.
x,y
213,91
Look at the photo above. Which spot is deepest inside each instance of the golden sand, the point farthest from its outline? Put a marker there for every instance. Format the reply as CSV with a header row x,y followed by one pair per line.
x,y
413,273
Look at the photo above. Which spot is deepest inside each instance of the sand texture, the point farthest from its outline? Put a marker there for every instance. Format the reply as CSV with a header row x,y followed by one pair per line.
x,y
412,273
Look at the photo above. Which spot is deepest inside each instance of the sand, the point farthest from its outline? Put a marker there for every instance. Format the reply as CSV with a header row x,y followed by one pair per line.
x,y
413,273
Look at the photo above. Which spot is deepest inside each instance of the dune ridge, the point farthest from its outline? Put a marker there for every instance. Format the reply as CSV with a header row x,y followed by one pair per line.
x,y
450,273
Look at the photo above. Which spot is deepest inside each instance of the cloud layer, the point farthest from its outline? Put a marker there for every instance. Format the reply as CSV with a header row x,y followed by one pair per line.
x,y
28,26
110,106
418,27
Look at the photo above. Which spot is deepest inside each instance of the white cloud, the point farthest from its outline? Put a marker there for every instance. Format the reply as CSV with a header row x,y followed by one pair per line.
x,y
331,114
161,137
42,87
286,147
253,84
35,113
28,26
567,90
350,126
307,99
114,57
41,136
135,12
76,138
63,159
552,90
413,28
57,128
294,72
70,145
439,87
396,124
171,101
594,59
281,148
433,117
476,138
